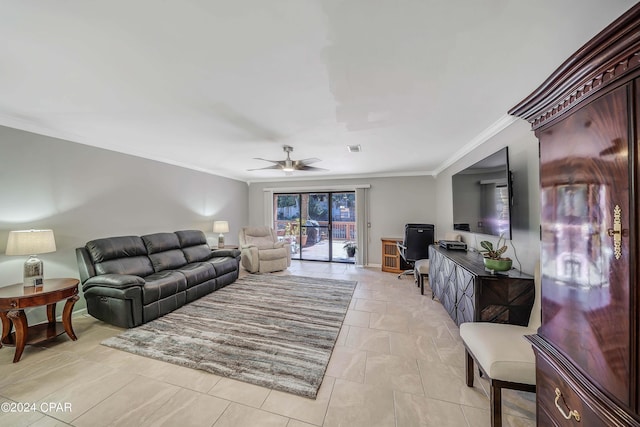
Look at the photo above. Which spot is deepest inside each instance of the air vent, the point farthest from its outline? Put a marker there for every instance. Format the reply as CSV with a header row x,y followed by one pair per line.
x,y
354,148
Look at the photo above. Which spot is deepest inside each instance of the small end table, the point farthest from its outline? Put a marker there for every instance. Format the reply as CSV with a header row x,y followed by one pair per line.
x,y
213,248
15,298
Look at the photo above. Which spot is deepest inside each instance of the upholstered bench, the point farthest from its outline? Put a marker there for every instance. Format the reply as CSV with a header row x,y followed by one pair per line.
x,y
421,267
503,355
421,271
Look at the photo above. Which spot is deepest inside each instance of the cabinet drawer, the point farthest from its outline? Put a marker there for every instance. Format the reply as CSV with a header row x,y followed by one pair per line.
x,y
570,399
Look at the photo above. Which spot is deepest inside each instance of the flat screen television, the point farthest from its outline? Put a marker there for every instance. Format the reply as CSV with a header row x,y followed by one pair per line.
x,y
482,196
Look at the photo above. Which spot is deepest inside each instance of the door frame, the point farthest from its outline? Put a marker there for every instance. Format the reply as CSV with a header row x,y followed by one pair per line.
x,y
362,210
329,226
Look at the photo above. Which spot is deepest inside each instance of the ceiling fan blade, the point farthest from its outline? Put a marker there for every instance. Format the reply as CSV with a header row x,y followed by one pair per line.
x,y
308,161
278,167
310,168
289,165
267,160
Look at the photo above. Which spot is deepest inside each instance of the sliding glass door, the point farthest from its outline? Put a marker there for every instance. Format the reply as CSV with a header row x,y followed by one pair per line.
x,y
318,225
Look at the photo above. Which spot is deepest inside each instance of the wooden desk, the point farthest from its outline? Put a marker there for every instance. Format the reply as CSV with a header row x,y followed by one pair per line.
x,y
15,298
392,262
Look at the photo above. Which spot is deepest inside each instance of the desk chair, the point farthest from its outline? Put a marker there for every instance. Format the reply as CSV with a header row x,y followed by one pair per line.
x,y
417,238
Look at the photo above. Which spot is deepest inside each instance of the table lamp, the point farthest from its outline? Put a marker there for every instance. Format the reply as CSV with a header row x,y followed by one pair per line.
x,y
31,242
220,227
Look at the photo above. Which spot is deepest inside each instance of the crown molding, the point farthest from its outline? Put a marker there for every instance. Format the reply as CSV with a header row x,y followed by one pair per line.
x,y
610,55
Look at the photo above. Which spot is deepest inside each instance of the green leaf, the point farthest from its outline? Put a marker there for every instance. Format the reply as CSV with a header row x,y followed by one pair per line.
x,y
487,245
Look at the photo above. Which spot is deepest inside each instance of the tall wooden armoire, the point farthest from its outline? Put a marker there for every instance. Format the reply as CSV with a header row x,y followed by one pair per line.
x,y
587,119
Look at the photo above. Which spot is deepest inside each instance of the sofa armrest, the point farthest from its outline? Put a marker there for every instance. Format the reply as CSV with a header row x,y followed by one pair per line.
x,y
250,260
85,266
287,246
234,253
117,281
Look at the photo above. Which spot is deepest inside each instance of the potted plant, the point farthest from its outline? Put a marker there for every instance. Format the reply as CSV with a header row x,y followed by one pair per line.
x,y
351,248
493,259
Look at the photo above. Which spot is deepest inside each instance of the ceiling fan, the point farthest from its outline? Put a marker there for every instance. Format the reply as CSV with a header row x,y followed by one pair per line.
x,y
289,165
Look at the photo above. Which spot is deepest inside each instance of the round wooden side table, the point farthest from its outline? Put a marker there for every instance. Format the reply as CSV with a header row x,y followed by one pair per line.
x,y
15,298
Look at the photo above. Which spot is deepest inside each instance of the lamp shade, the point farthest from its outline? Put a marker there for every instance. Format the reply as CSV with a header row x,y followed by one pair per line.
x,y
220,226
30,242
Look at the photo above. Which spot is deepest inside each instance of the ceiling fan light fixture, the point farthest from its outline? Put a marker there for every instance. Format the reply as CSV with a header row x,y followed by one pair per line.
x,y
288,166
354,148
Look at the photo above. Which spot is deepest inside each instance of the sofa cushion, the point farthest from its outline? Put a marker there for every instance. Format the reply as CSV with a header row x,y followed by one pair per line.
x,y
197,272
271,254
115,247
160,242
120,255
164,251
223,265
162,285
259,231
261,242
135,266
197,253
194,245
168,260
191,238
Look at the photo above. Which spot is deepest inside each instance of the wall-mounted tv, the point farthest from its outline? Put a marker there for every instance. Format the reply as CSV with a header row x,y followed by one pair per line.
x,y
482,196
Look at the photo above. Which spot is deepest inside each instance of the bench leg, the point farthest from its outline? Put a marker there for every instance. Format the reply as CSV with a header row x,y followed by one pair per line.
x,y
496,405
468,368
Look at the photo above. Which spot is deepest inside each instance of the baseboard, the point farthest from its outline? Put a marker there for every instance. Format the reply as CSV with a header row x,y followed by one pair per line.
x,y
76,313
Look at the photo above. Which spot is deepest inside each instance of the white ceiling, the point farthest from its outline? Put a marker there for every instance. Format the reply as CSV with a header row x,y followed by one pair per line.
x,y
210,85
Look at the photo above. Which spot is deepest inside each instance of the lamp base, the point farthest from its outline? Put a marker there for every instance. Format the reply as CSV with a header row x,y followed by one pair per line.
x,y
221,241
33,272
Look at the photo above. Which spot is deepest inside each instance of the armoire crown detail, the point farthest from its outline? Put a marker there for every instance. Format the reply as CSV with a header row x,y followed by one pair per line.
x,y
607,57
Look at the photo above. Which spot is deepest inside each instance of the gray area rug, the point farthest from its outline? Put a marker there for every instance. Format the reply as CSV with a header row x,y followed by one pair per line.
x,y
274,331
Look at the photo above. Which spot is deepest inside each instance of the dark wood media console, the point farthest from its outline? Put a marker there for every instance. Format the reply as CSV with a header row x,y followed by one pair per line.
x,y
471,294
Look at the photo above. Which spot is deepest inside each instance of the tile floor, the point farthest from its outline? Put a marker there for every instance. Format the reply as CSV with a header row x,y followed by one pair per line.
x,y
398,362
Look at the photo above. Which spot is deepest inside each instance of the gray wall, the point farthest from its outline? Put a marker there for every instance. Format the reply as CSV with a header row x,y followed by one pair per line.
x,y
84,193
393,202
523,162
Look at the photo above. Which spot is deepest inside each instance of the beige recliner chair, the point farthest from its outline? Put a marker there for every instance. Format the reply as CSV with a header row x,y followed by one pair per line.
x,y
261,250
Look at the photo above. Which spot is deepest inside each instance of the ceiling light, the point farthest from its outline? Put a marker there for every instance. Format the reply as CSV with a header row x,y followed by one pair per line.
x,y
354,148
288,165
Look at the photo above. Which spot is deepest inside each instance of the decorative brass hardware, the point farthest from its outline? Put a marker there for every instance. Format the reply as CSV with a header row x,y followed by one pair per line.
x,y
572,413
616,232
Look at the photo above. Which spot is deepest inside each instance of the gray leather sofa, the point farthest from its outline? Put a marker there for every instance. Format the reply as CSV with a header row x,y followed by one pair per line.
x,y
130,280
